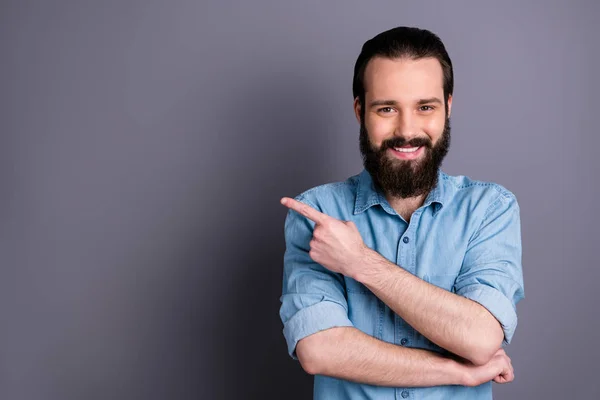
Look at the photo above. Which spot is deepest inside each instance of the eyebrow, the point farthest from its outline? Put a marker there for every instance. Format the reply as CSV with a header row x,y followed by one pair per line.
x,y
430,100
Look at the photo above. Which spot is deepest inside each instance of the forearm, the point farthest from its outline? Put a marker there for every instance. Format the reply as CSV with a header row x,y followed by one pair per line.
x,y
453,322
348,353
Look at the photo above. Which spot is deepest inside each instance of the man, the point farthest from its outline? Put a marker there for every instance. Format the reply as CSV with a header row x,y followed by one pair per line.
x,y
402,281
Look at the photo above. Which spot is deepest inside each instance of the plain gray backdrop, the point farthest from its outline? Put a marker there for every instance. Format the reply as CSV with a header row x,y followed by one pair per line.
x,y
144,147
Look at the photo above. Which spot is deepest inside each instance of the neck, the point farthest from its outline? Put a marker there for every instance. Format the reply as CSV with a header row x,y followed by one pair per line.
x,y
406,206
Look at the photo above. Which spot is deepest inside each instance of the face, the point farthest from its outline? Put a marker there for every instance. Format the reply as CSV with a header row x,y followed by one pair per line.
x,y
405,129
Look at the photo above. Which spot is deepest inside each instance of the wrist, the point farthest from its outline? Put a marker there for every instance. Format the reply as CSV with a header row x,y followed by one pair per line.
x,y
457,373
371,265
462,375
444,370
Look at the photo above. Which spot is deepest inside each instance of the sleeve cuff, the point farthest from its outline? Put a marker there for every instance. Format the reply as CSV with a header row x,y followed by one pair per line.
x,y
497,304
313,319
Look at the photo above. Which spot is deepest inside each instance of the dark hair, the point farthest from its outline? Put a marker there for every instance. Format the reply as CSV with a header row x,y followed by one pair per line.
x,y
402,42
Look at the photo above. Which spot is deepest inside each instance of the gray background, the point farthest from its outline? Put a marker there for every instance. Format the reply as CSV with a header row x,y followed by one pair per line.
x,y
145,146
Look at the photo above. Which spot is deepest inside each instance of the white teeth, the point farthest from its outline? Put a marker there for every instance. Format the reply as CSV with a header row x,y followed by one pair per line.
x,y
406,149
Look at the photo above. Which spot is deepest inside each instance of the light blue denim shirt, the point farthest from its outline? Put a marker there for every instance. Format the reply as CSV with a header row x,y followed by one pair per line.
x,y
465,238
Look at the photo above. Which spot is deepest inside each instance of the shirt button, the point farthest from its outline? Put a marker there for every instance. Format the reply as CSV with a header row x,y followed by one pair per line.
x,y
403,341
404,394
406,239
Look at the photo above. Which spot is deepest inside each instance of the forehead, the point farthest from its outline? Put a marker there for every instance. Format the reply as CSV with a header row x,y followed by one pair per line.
x,y
403,78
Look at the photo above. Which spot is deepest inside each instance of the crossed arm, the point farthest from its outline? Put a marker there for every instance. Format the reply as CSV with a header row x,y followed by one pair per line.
x,y
454,322
350,354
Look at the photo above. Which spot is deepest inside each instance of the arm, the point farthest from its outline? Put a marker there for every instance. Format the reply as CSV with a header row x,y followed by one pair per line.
x,y
473,322
348,353
319,334
455,323
313,296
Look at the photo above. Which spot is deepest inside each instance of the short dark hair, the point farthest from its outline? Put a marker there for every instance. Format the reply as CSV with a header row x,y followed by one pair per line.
x,y
402,42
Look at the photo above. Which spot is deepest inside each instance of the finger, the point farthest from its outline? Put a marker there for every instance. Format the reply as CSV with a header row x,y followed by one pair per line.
x,y
510,377
507,374
504,378
305,210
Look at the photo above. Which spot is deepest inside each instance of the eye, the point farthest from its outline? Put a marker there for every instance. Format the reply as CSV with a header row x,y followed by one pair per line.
x,y
426,108
385,110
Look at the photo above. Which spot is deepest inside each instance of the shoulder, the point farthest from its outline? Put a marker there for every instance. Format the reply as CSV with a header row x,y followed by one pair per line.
x,y
485,196
333,198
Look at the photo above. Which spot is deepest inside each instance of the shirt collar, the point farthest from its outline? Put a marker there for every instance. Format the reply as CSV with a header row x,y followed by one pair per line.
x,y
367,195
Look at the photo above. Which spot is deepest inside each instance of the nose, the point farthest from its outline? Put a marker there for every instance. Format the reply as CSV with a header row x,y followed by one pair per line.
x,y
405,126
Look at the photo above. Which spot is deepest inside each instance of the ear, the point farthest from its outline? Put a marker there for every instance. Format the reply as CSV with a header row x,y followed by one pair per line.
x,y
449,105
357,108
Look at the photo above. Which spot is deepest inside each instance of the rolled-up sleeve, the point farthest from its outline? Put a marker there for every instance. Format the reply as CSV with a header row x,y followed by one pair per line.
x,y
491,273
313,298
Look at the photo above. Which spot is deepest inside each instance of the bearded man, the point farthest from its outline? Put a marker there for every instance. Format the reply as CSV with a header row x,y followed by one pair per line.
x,y
402,281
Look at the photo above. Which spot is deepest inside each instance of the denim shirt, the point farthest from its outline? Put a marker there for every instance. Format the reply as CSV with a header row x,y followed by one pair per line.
x,y
465,238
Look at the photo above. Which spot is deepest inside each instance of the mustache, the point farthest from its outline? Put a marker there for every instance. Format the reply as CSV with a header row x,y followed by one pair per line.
x,y
399,142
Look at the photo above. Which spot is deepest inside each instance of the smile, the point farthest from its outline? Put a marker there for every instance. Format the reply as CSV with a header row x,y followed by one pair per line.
x,y
406,149
407,153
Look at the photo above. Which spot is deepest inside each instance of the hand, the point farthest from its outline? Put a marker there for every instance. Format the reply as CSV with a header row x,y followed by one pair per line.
x,y
499,369
336,245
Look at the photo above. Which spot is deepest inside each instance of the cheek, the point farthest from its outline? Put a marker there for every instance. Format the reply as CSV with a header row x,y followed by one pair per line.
x,y
379,131
434,128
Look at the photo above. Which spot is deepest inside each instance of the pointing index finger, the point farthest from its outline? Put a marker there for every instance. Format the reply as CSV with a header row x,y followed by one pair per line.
x,y
304,209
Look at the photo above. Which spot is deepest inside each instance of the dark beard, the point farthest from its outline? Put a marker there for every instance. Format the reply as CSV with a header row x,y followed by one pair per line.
x,y
404,178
